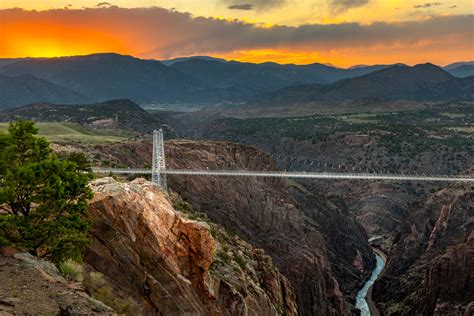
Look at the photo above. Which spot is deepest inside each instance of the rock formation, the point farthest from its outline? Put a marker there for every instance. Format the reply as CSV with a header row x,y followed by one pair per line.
x,y
263,212
314,242
430,270
170,264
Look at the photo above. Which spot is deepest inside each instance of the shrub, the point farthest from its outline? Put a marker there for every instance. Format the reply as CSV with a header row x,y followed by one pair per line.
x,y
97,286
72,270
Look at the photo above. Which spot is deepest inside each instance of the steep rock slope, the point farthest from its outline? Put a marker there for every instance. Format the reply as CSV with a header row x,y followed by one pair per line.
x,y
299,233
345,239
264,212
172,265
430,268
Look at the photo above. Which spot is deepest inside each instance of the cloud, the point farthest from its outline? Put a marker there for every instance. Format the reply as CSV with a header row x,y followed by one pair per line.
x,y
254,4
245,6
427,5
160,33
103,4
340,6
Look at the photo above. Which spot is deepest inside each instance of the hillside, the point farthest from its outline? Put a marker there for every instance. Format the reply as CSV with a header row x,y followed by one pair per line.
x,y
430,267
463,71
115,114
109,76
393,83
24,89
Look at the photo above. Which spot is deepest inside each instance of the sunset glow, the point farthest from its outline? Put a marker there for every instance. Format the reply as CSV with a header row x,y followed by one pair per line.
x,y
400,32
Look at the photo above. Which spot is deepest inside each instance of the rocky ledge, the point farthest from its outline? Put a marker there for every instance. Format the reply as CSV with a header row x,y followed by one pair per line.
x,y
170,264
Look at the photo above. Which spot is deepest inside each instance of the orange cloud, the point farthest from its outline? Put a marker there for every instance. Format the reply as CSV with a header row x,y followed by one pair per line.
x,y
160,33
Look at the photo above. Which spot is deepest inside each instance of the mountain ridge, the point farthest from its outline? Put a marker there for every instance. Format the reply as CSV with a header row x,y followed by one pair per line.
x,y
26,88
420,82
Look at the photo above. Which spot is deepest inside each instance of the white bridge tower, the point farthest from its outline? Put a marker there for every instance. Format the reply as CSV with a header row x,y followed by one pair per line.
x,y
158,159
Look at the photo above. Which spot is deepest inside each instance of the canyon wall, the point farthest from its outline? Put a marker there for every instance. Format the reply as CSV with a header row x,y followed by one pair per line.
x,y
306,238
171,264
430,270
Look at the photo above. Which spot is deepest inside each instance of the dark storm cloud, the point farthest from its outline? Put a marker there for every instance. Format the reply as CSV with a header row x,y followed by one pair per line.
x,y
245,6
339,6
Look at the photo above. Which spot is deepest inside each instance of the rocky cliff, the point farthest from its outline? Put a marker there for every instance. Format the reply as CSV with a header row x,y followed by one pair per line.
x,y
430,270
295,232
313,240
170,264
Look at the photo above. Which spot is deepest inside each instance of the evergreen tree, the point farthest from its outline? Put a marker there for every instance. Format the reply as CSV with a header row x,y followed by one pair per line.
x,y
43,200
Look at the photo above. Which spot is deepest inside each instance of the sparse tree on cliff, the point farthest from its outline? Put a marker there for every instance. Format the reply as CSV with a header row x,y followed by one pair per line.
x,y
43,200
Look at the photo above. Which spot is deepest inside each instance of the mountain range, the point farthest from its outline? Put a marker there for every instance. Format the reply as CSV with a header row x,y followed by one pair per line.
x,y
202,80
25,89
424,82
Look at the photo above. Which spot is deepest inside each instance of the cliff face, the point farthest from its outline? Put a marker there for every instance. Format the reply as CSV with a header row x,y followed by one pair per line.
x,y
430,270
290,229
169,264
346,241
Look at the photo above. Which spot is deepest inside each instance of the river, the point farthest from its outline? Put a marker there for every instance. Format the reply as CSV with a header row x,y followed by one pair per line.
x,y
361,302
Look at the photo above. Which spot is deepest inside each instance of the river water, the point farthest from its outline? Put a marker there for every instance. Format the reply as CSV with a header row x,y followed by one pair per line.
x,y
361,303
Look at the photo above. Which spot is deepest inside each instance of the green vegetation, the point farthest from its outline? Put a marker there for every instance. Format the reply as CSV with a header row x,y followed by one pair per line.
x,y
388,142
97,286
72,270
423,129
72,132
43,199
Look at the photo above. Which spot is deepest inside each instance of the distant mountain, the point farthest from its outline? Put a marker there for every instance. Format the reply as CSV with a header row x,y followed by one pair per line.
x,y
25,89
265,76
173,61
198,80
462,71
119,114
7,61
110,76
458,64
421,82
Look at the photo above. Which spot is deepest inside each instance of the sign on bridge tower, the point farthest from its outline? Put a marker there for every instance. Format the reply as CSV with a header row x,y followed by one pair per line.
x,y
158,159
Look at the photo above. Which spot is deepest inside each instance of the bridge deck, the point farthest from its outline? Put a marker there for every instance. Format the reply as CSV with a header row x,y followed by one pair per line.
x,y
293,174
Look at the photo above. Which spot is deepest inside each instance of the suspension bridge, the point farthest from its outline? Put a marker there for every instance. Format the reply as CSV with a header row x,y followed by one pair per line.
x,y
159,171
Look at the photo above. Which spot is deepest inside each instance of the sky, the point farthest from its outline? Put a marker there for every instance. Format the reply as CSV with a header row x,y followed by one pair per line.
x,y
340,32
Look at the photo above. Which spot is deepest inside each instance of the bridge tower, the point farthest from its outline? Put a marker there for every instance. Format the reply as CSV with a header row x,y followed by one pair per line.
x,y
158,163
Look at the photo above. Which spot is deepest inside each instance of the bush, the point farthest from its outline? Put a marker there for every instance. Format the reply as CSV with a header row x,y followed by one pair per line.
x,y
72,270
97,286
43,199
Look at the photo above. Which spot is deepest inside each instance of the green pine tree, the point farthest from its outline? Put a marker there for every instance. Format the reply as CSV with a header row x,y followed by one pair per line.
x,y
43,200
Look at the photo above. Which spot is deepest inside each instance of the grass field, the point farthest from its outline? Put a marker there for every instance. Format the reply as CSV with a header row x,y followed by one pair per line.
x,y
70,133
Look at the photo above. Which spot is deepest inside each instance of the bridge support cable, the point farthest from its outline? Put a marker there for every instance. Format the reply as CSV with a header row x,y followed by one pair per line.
x,y
290,174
